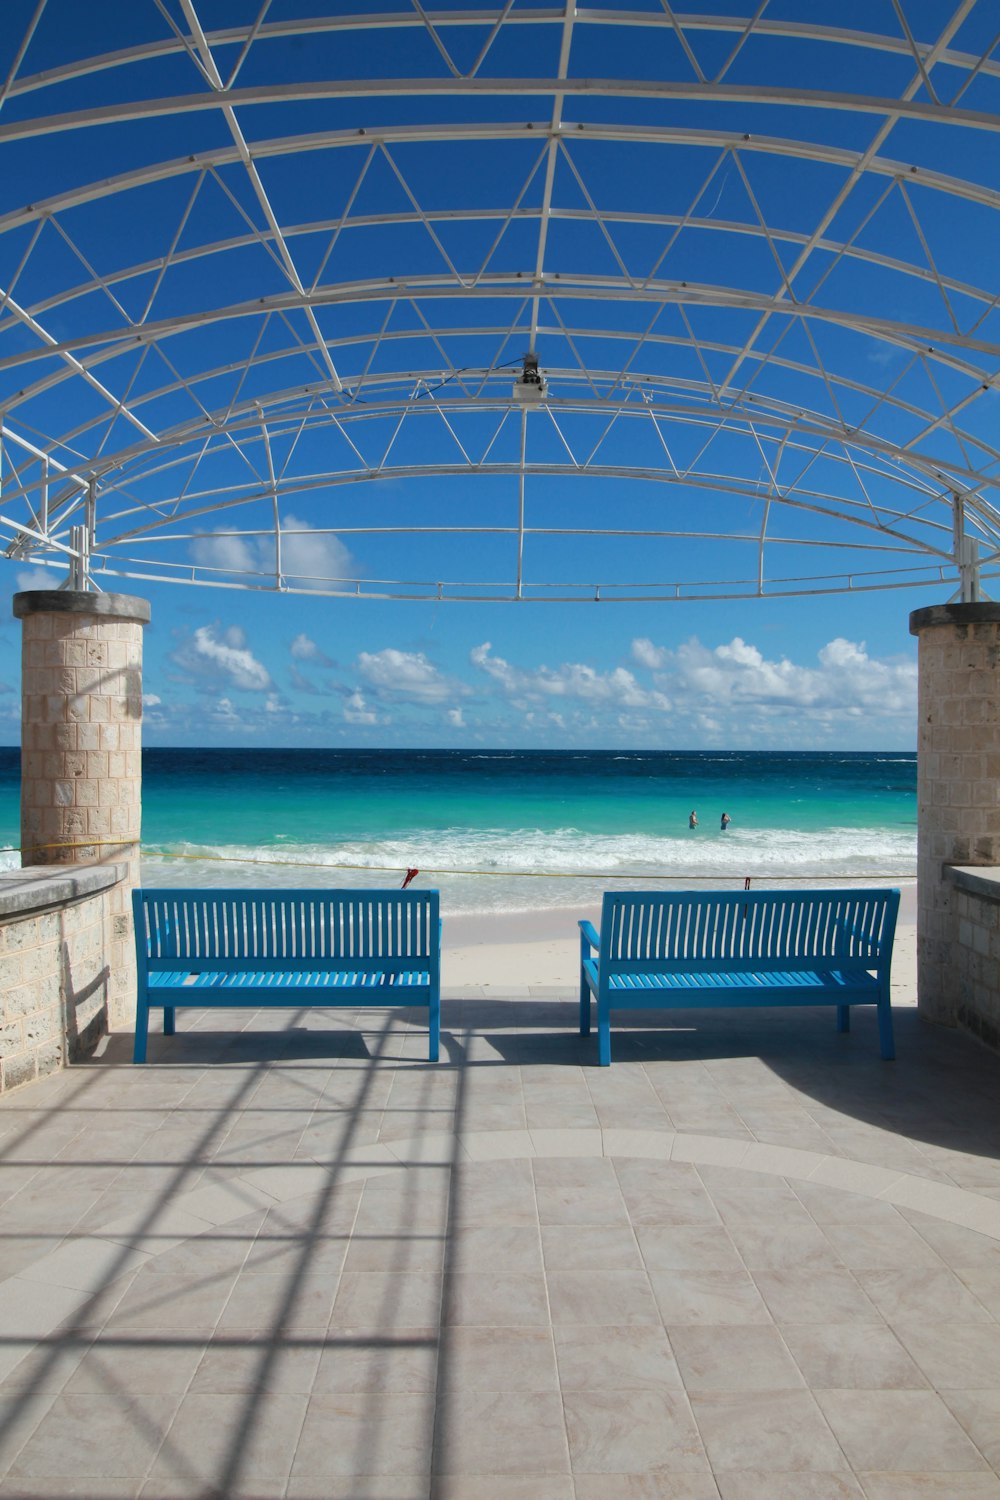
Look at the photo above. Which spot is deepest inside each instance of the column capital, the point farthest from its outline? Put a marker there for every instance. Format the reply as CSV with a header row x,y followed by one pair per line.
x,y
77,602
958,615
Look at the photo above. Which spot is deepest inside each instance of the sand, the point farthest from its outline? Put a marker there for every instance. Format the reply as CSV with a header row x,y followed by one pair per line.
x,y
515,952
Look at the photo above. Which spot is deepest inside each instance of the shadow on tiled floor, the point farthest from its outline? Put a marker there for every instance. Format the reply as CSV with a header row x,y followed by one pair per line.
x,y
749,1260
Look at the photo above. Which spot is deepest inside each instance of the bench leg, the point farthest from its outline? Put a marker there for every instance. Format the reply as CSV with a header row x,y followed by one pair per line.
x,y
887,1045
169,1012
434,1026
843,1018
141,1031
584,988
603,1034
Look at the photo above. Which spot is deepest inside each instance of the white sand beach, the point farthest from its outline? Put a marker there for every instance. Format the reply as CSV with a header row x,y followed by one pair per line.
x,y
515,952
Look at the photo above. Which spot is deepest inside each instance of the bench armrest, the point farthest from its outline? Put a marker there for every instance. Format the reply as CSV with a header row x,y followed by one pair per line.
x,y
878,952
589,934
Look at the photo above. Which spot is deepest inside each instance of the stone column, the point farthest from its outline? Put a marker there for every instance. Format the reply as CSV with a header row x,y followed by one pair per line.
x,y
958,781
81,744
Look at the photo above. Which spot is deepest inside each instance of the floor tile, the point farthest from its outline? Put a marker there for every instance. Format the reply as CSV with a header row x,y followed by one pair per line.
x,y
588,1247
708,1297
900,1295
815,1296
351,1361
760,1484
507,1248
656,1433
665,1193
884,1246
495,1300
283,1367
776,1246
657,1486
733,1359
782,1431
621,1298
500,1432
351,1434
687,1247
602,1358
498,1359
231,1441
851,1356
953,1356
369,1298
97,1437
953,1486
140,1366
979,1414
898,1431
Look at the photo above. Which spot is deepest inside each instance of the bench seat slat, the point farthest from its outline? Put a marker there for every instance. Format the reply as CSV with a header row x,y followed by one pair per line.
x,y
803,979
721,948
279,980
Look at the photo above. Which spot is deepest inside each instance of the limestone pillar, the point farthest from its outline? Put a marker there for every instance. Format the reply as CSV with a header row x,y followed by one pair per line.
x,y
81,744
958,780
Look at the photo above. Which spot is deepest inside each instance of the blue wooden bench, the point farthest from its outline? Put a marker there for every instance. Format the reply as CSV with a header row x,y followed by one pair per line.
x,y
686,950
206,948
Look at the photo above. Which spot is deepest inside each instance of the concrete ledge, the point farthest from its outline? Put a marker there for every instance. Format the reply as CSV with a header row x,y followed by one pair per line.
x,y
39,886
946,614
980,880
77,602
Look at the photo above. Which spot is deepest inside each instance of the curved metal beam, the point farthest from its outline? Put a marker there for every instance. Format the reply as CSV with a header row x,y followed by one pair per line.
x,y
440,20
395,135
127,112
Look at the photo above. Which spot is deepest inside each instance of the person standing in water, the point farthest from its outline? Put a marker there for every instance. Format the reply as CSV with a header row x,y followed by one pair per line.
x,y
725,822
693,819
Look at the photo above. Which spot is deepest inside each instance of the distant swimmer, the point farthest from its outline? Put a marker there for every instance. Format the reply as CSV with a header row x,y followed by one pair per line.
x,y
693,819
726,820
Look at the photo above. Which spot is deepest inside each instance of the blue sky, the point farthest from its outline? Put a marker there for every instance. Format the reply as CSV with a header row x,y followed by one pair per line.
x,y
238,669
682,230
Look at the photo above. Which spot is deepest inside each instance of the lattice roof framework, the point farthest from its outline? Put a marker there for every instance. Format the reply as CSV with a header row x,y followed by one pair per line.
x,y
270,269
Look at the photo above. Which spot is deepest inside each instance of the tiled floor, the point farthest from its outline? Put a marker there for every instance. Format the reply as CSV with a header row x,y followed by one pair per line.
x,y
749,1260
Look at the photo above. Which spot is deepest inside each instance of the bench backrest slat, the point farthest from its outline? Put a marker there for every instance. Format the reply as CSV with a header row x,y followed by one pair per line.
x,y
746,930
240,929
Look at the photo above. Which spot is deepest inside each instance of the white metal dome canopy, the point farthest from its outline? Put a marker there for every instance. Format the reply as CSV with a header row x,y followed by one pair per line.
x,y
269,278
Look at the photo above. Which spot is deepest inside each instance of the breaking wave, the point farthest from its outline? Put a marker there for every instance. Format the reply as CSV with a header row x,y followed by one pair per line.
x,y
504,870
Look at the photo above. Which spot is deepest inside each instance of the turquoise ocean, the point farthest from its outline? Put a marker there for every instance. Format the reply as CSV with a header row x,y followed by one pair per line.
x,y
499,830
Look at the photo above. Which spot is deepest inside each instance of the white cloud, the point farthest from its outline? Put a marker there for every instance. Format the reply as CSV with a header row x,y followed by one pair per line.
x,y
356,710
226,554
150,700
304,648
224,713
408,676
309,558
847,681
572,680
455,718
648,655
227,657
40,578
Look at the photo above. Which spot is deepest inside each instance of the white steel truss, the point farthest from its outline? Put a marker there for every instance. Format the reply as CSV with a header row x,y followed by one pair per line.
x,y
510,302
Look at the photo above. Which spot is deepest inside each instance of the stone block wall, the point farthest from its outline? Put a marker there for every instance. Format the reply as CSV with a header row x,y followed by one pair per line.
x,y
81,749
81,741
59,934
976,951
958,780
